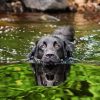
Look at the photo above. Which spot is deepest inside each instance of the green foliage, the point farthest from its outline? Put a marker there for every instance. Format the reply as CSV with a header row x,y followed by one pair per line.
x,y
17,82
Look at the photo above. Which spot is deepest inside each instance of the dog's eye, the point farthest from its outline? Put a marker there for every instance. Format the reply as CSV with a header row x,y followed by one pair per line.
x,y
56,45
43,46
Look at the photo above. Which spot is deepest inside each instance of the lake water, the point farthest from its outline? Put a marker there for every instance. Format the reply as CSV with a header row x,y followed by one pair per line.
x,y
16,41
17,38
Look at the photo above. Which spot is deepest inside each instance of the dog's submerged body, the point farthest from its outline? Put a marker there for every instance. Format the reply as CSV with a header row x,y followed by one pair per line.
x,y
51,56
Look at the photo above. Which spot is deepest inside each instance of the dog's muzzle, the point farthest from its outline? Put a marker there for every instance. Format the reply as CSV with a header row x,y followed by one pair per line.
x,y
50,58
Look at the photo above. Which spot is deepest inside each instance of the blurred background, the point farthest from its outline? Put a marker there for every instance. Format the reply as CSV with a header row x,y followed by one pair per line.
x,y
22,22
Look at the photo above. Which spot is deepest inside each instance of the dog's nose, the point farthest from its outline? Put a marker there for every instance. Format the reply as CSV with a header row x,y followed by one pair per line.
x,y
49,55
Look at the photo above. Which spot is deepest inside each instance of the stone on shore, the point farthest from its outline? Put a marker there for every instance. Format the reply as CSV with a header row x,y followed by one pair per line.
x,y
45,4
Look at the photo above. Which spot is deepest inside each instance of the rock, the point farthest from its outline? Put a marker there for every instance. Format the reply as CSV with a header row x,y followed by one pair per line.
x,y
80,5
80,2
2,5
17,7
7,19
49,18
97,6
90,6
45,4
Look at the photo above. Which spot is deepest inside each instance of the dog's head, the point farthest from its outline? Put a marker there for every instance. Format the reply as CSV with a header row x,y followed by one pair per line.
x,y
51,51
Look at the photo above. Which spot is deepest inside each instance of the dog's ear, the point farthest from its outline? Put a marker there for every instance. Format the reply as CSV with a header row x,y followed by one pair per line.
x,y
32,53
70,33
69,48
67,32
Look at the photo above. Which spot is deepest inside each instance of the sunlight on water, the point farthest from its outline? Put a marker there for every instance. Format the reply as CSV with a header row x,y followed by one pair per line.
x,y
17,81
16,42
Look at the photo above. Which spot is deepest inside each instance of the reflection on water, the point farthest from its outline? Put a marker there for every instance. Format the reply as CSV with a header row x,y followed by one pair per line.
x,y
15,42
80,20
17,39
19,84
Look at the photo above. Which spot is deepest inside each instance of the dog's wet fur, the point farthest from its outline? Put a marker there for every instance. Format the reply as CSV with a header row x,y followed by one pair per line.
x,y
51,51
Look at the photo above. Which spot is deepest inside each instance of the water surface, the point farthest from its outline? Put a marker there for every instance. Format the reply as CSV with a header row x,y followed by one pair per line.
x,y
18,36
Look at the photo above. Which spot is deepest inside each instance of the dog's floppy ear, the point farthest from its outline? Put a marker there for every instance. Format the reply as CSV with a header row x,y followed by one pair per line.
x,y
32,53
69,48
67,32
70,33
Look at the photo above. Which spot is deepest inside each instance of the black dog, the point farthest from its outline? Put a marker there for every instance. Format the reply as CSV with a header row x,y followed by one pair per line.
x,y
51,56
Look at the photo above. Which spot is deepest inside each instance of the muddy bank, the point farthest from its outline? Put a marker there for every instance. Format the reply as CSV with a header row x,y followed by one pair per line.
x,y
48,17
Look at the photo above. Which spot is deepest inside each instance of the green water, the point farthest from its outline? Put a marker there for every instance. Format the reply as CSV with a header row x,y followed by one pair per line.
x,y
16,41
17,83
